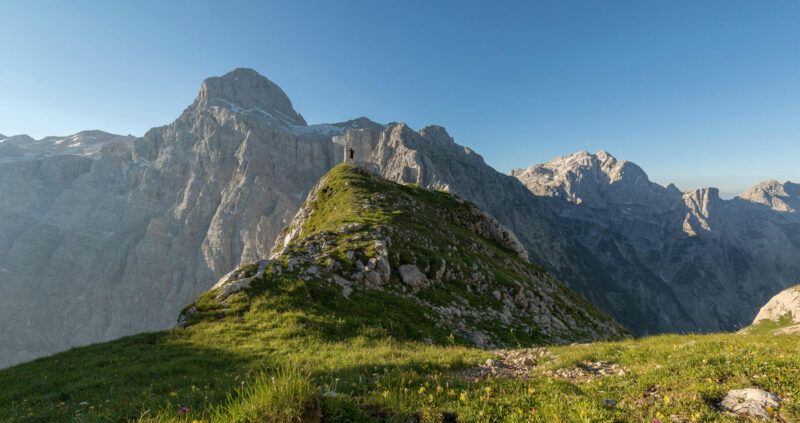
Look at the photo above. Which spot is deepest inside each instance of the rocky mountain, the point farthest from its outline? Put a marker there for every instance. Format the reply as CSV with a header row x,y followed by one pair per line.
x,y
716,261
103,242
104,236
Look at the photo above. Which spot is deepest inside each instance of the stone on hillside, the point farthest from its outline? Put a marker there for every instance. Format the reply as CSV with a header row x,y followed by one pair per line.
x,y
412,276
371,277
346,285
236,281
751,402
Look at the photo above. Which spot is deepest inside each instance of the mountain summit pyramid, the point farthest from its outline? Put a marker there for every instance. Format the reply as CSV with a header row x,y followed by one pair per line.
x,y
246,90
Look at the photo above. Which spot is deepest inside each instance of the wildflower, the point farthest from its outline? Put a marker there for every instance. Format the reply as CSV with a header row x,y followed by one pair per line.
x,y
463,396
421,389
451,392
386,394
610,403
430,397
439,388
655,421
183,411
667,399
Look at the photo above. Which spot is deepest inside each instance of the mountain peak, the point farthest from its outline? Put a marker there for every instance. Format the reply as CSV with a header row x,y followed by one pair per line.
x,y
779,196
436,133
596,180
246,90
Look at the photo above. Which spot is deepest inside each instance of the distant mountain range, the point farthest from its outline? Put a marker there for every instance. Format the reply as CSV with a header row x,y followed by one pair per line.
x,y
103,235
716,260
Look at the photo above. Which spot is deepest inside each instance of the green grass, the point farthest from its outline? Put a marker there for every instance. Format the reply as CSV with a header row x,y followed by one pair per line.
x,y
222,371
291,350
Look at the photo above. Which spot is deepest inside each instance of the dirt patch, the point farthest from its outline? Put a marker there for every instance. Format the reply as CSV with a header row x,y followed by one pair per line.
x,y
521,363
587,370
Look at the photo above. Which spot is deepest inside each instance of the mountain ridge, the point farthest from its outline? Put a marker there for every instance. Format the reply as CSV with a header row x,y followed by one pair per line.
x,y
141,225
695,242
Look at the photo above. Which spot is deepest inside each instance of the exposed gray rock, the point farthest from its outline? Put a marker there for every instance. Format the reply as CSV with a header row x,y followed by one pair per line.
x,y
347,286
751,403
412,276
783,309
785,304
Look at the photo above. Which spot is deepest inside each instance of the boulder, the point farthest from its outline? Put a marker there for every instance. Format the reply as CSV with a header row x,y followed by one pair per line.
x,y
412,276
751,402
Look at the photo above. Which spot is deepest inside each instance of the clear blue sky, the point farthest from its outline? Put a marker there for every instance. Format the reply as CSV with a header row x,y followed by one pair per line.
x,y
699,93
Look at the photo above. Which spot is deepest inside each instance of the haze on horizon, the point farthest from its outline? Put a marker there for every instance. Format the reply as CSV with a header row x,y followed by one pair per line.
x,y
696,94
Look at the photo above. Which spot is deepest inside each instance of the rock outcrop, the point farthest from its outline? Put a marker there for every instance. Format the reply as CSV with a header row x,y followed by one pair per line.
x,y
785,305
751,403
779,316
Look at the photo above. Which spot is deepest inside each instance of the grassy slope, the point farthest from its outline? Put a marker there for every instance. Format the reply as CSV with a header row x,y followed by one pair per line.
x,y
279,351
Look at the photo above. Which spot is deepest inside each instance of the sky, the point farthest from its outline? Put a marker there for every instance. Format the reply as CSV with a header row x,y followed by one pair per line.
x,y
697,93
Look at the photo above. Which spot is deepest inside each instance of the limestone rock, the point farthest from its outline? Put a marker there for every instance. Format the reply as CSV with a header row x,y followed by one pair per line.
x,y
785,304
751,403
412,276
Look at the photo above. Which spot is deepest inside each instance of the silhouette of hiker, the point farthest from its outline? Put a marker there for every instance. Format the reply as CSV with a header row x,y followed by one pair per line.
x,y
350,154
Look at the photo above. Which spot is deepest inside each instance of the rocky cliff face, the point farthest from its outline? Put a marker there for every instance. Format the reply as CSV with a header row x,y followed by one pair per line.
x,y
714,261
